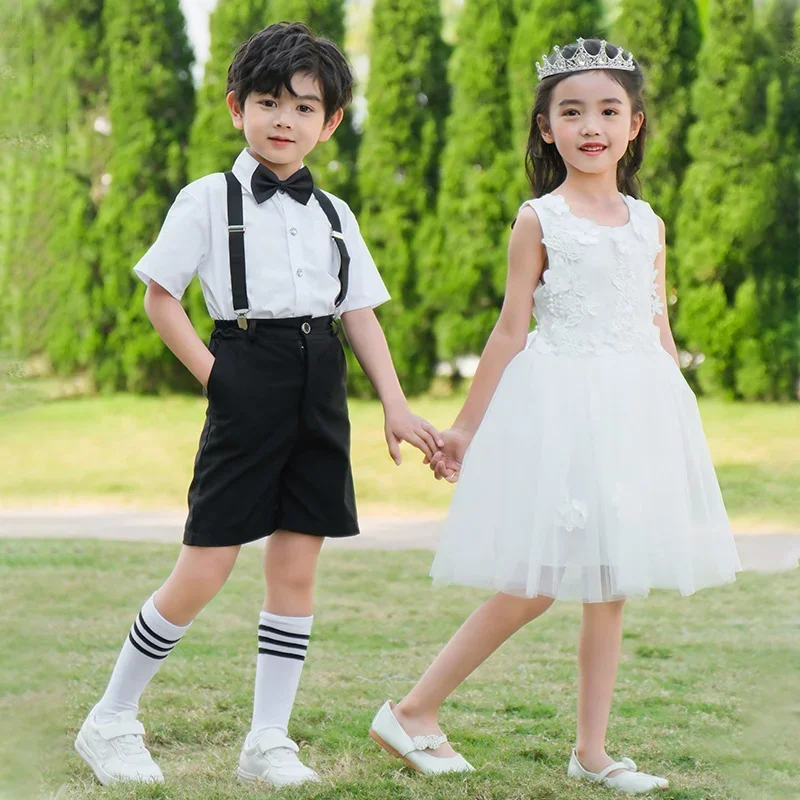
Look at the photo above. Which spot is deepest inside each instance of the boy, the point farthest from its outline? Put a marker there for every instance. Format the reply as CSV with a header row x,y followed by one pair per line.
x,y
278,260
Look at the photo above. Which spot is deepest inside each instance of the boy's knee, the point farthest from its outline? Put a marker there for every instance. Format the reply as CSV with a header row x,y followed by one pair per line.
x,y
296,578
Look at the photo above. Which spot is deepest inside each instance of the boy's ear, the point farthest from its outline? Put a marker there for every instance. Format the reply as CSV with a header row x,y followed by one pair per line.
x,y
331,125
237,115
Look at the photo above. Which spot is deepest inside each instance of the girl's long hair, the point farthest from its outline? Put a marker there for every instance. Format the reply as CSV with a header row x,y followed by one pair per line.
x,y
543,163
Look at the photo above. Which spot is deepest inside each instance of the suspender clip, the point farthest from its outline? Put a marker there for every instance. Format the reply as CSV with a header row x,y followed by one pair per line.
x,y
241,319
337,235
235,228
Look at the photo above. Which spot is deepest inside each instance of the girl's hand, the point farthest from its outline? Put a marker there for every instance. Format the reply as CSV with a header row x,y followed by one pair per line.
x,y
403,426
446,462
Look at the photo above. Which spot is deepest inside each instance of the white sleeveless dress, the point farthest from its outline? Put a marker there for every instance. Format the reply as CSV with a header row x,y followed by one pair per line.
x,y
589,478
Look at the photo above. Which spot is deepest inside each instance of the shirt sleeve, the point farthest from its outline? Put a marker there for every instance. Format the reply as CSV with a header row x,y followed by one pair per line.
x,y
366,288
182,245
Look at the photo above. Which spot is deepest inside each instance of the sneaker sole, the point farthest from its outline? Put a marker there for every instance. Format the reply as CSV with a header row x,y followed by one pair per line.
x,y
248,777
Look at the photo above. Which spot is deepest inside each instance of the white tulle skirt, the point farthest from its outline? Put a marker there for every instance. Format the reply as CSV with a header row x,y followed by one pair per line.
x,y
590,480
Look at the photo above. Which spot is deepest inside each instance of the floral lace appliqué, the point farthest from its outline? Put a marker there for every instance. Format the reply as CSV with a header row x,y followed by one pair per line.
x,y
599,293
572,514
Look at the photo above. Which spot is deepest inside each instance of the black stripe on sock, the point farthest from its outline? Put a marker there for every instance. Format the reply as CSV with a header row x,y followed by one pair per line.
x,y
296,645
262,651
268,629
173,642
166,650
143,651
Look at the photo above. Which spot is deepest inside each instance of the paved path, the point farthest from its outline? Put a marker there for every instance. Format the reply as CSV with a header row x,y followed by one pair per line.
x,y
758,551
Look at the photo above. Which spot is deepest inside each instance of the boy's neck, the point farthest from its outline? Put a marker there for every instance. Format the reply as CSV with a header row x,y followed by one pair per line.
x,y
283,171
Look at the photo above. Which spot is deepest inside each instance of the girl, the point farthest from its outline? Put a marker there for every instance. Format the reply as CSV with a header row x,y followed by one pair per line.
x,y
587,475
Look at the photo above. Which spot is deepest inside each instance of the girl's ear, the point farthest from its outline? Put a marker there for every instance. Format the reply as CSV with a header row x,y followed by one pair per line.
x,y
636,125
544,128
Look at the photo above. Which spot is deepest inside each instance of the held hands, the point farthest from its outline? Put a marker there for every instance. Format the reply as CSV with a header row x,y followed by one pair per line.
x,y
446,462
403,426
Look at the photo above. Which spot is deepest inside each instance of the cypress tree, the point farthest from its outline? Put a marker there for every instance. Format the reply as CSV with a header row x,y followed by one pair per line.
x,y
540,26
768,359
69,260
214,142
465,273
150,110
727,201
333,162
665,37
397,162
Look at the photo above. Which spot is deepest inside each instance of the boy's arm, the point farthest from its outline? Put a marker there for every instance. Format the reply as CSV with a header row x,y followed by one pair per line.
x,y
366,337
174,327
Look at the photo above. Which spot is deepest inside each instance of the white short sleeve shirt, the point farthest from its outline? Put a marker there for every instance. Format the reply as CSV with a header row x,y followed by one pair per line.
x,y
291,259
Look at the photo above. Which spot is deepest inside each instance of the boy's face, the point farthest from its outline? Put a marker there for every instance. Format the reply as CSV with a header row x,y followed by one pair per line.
x,y
282,131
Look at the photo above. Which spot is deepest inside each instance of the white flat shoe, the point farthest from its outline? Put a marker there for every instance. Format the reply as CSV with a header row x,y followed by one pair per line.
x,y
630,781
389,734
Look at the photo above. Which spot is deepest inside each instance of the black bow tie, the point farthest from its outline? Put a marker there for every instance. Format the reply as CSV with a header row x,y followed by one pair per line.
x,y
265,183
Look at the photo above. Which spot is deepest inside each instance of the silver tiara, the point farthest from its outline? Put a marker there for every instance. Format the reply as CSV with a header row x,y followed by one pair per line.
x,y
582,60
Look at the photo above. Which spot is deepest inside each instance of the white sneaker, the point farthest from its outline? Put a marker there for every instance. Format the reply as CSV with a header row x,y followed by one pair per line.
x,y
628,782
389,734
116,751
272,758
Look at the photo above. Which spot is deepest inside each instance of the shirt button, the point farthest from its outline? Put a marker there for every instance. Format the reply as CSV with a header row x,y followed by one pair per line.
x,y
293,231
299,273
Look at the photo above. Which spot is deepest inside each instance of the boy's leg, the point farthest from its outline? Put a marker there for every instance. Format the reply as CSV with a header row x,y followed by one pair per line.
x,y
284,629
110,739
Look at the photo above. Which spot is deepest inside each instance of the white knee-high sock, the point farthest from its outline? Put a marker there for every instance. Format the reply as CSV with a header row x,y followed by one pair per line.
x,y
282,645
150,641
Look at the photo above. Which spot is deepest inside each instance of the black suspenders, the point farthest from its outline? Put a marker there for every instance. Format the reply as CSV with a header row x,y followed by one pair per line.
x,y
236,247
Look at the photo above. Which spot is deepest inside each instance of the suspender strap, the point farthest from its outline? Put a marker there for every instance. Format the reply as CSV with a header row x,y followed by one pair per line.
x,y
236,249
338,237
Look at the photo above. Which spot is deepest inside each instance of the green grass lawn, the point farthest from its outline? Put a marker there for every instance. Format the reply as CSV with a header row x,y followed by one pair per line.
x,y
707,692
126,450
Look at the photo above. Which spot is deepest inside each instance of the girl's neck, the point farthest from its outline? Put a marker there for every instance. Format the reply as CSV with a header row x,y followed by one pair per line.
x,y
593,189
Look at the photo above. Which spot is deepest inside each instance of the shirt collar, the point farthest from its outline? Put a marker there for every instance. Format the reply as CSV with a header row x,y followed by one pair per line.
x,y
244,167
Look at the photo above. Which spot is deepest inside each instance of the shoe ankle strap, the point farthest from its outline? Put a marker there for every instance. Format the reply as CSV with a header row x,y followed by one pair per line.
x,y
122,728
626,764
272,738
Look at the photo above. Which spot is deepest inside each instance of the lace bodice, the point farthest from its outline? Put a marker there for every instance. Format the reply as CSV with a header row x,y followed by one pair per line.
x,y
599,291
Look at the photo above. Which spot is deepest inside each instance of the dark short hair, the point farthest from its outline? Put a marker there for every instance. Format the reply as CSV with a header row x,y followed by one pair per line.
x,y
266,62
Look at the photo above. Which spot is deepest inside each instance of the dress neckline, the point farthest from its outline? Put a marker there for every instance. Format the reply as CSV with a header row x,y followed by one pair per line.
x,y
588,219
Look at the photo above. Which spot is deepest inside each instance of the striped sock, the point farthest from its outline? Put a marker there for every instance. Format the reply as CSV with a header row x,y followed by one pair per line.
x,y
282,645
150,640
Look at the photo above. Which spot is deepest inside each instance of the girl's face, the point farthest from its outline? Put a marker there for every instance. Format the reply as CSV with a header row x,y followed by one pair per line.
x,y
591,122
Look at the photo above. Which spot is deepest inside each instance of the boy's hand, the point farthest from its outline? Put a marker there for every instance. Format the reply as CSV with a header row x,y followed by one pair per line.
x,y
446,462
403,426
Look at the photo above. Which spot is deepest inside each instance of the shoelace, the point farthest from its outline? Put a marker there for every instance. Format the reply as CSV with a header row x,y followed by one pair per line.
x,y
131,744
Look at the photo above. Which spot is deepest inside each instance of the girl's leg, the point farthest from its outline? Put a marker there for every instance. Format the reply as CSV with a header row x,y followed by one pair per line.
x,y
290,563
198,575
483,632
598,657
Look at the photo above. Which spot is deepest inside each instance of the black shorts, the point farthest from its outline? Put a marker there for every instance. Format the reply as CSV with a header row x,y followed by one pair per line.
x,y
275,449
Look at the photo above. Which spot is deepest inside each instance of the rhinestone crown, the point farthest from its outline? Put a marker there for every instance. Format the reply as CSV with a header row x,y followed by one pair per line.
x,y
582,60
